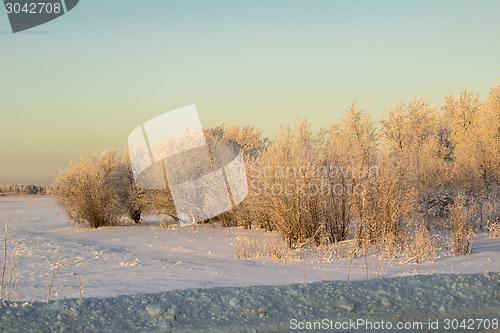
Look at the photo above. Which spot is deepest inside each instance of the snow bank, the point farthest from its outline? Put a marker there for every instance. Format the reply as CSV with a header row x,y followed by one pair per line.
x,y
266,308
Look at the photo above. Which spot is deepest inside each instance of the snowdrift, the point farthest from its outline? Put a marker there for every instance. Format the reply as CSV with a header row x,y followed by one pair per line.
x,y
296,307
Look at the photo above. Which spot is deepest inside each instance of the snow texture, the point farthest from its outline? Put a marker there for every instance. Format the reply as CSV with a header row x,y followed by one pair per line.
x,y
144,278
264,308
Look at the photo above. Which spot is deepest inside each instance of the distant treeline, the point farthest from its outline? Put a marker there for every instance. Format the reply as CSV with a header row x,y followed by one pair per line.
x,y
22,189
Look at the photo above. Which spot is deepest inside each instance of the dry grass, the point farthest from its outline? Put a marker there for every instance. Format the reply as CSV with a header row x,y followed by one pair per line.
x,y
418,245
8,278
340,250
461,227
271,247
52,289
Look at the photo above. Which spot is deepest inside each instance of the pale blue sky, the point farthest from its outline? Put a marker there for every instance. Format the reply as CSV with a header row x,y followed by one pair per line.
x,y
81,83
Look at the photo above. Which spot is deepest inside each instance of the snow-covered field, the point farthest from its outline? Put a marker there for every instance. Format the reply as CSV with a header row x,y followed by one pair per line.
x,y
164,264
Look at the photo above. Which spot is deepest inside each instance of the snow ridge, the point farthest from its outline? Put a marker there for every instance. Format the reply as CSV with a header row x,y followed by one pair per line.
x,y
264,308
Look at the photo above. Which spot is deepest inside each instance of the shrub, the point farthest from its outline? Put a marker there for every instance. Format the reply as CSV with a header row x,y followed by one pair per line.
x,y
419,245
461,226
94,191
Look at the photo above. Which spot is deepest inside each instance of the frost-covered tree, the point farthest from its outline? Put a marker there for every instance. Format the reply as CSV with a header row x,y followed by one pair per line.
x,y
352,150
474,134
411,136
135,196
94,191
287,193
489,125
349,157
462,115
248,138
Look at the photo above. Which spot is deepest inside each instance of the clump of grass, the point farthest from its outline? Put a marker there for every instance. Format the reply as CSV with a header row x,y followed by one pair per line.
x,y
82,277
8,280
51,279
272,248
419,246
246,247
277,250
